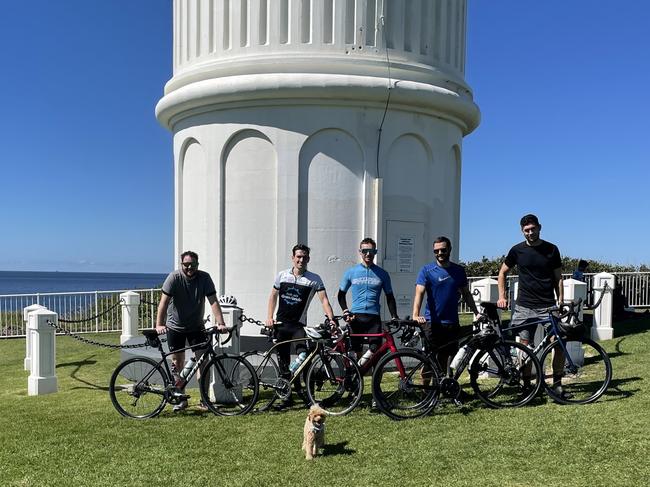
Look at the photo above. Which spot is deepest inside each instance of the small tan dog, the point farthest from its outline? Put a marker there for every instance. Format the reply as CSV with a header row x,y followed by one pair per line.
x,y
314,432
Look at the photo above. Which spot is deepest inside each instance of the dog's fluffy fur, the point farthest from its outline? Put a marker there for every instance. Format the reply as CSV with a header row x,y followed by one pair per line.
x,y
314,432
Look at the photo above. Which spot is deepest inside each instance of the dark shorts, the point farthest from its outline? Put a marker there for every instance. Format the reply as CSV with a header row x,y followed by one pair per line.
x,y
443,336
176,339
289,331
365,323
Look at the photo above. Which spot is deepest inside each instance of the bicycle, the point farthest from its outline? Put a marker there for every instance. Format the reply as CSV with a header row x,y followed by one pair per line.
x,y
587,370
140,387
502,373
331,379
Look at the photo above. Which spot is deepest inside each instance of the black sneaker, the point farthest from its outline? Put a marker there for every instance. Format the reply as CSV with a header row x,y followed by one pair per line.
x,y
284,404
303,396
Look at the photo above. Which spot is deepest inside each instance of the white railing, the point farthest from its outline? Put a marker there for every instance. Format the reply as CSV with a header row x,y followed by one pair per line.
x,y
635,286
99,313
95,311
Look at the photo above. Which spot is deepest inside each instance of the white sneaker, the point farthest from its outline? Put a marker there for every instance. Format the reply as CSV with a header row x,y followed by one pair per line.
x,y
181,406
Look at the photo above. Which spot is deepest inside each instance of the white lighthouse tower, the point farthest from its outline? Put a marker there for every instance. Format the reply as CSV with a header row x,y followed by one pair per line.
x,y
321,122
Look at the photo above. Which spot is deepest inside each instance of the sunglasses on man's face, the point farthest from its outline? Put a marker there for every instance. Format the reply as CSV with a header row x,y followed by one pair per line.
x,y
189,265
368,251
440,251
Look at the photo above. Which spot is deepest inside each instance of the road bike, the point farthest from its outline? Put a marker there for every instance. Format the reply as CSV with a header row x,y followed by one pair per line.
x,y
140,387
502,373
330,378
587,369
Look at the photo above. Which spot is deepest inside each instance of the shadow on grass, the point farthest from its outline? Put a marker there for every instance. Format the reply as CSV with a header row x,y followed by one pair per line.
x,y
618,349
77,365
615,392
339,448
632,326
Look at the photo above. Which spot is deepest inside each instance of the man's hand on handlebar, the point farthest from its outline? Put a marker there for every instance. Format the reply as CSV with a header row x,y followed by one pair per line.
x,y
502,303
270,323
419,319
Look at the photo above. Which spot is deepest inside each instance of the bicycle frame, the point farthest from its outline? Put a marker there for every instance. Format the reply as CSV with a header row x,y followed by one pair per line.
x,y
551,332
317,350
209,351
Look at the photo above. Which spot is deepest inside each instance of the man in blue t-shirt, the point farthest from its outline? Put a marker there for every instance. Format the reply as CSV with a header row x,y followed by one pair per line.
x,y
366,281
442,281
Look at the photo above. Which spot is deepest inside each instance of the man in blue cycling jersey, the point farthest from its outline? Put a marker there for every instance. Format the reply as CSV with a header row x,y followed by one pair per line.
x,y
366,280
442,281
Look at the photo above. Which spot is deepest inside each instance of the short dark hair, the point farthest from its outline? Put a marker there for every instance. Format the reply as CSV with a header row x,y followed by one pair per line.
x,y
583,264
529,219
370,241
302,247
443,240
194,255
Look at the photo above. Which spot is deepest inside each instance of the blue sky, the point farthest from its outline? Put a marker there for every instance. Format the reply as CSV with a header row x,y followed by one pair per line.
x,y
88,182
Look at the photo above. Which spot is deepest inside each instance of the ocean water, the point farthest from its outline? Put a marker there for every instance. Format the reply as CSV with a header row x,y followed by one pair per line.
x,y
15,282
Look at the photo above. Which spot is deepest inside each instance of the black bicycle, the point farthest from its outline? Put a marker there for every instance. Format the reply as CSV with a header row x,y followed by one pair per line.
x,y
502,373
141,387
331,379
583,371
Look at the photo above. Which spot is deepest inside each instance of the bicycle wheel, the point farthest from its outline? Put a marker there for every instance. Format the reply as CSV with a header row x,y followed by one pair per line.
x,y
334,382
268,374
229,385
507,374
586,375
405,384
137,388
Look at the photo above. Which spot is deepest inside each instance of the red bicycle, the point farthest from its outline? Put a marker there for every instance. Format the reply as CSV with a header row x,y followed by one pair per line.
x,y
321,392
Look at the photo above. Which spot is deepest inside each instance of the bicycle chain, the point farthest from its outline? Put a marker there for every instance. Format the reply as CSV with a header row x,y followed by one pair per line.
x,y
87,341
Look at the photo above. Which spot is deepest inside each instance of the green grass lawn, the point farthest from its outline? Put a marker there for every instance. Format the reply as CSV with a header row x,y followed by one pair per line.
x,y
75,437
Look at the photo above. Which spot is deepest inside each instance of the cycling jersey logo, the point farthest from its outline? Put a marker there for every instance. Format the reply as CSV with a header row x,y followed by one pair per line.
x,y
369,280
291,296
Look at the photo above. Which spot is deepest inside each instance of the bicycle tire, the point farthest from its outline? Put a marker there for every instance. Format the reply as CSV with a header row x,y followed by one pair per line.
x,y
588,380
397,386
507,374
268,374
137,388
334,382
229,385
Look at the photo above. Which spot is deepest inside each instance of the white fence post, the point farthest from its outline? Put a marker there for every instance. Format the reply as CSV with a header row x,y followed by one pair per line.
x,y
574,291
602,329
27,364
485,291
42,379
231,316
130,307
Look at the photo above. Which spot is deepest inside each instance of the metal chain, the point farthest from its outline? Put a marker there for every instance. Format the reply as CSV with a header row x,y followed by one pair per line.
x,y
121,301
87,341
243,318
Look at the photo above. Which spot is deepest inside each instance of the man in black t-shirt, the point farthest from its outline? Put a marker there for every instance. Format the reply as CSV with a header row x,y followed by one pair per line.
x,y
540,285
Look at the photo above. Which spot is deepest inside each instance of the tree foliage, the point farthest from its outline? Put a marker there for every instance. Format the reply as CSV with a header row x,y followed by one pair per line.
x,y
490,266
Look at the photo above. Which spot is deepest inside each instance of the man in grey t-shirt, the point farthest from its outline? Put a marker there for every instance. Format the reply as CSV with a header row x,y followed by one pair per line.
x,y
181,307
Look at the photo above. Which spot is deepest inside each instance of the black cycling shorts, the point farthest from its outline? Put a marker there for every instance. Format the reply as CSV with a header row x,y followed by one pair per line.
x,y
176,339
365,323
